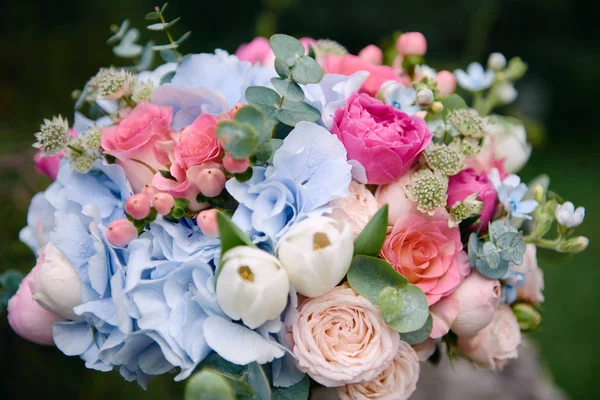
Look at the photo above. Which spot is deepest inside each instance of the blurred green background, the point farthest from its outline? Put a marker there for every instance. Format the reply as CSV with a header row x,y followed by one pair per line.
x,y
50,48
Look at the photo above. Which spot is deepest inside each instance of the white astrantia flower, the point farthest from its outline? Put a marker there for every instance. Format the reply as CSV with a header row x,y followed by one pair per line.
x,y
57,287
316,253
53,136
568,216
428,189
111,83
252,286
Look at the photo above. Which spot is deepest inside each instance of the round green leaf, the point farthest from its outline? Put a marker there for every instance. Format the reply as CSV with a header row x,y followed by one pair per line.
x,y
265,99
287,48
390,303
370,275
491,255
420,335
474,249
415,310
306,70
288,89
281,68
451,103
293,112
493,273
238,139
208,385
299,391
259,382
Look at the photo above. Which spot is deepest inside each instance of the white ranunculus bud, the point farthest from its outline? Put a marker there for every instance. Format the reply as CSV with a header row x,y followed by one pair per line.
x,y
252,286
509,140
425,97
316,253
568,216
57,287
497,61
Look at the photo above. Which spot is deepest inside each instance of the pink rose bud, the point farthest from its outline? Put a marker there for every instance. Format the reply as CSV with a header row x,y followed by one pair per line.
x,y
121,232
27,318
138,206
372,54
446,83
207,222
150,190
235,166
411,44
211,182
163,203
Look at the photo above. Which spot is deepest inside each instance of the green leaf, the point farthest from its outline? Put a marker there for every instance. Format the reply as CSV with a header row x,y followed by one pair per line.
x,y
291,113
370,275
390,303
491,255
168,56
230,234
370,241
238,139
216,362
452,103
493,273
163,8
162,47
299,391
259,382
287,48
209,385
420,335
474,249
167,174
500,227
265,99
9,282
177,213
288,89
162,26
264,152
167,77
306,70
282,69
244,176
183,37
119,33
152,16
415,310
254,117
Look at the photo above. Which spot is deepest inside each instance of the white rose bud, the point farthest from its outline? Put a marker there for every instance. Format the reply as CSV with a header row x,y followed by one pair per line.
x,y
497,61
425,97
508,139
507,93
316,253
57,287
252,286
568,216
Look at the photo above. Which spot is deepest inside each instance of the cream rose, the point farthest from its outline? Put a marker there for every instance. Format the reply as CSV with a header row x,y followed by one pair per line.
x,y
426,349
358,208
496,344
341,338
531,290
396,382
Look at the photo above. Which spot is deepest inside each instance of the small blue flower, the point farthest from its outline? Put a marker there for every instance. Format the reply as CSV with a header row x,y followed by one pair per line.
x,y
511,193
512,280
476,78
401,97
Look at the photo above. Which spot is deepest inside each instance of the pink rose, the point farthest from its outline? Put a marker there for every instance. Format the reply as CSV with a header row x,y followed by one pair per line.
x,y
496,344
468,182
469,309
411,44
341,338
383,139
396,382
372,54
257,51
394,195
140,142
378,74
27,318
427,253
358,208
531,291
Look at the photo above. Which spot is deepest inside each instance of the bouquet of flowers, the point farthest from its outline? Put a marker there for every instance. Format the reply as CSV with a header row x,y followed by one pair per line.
x,y
287,217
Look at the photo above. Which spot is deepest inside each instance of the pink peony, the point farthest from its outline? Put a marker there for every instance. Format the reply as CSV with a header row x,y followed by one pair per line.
x,y
140,142
531,290
496,344
27,318
394,195
358,208
378,74
427,253
383,139
258,51
468,182
341,338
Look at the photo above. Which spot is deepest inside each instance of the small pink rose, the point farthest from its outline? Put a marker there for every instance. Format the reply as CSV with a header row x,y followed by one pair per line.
x,y
372,54
394,195
468,182
427,253
384,140
358,208
258,51
531,290
446,83
411,44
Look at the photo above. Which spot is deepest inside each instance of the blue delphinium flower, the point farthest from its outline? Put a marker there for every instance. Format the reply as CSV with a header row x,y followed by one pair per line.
x,y
476,78
511,193
309,170
512,281
401,97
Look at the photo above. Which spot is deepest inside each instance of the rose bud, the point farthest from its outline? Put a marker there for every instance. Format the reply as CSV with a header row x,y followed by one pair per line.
x,y
252,286
211,181
163,203
235,166
411,44
138,206
316,254
394,195
207,222
120,232
469,309
27,318
57,287
446,83
372,54
527,316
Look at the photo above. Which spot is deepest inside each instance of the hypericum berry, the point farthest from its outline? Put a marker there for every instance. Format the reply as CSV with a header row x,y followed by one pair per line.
x,y
207,222
150,190
462,210
211,181
468,122
138,206
120,232
53,136
446,159
425,97
428,189
111,83
163,203
235,166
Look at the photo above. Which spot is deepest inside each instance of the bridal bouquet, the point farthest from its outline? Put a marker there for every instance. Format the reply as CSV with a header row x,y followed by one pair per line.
x,y
287,217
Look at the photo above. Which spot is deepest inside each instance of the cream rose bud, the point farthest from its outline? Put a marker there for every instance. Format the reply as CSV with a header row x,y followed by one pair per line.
x,y
252,286
496,344
357,208
57,287
316,254
531,290
510,142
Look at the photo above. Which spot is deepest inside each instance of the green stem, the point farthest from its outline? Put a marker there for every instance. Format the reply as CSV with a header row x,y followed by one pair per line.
x,y
169,37
129,102
544,243
75,149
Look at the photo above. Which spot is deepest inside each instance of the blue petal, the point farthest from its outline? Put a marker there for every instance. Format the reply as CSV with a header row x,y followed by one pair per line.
x,y
72,338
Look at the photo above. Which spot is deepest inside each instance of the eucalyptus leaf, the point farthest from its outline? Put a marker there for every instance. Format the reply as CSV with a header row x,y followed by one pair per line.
x,y
306,70
513,245
230,234
299,391
493,273
370,275
370,241
163,8
218,363
162,47
146,58
9,282
491,255
238,139
258,380
288,89
420,335
254,117
166,78
474,248
168,56
183,37
287,48
152,16
415,310
209,384
128,48
390,303
265,99
291,113
499,227
452,103
264,152
282,69
120,33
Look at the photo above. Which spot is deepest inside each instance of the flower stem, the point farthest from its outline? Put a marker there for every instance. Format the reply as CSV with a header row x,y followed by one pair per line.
x,y
169,36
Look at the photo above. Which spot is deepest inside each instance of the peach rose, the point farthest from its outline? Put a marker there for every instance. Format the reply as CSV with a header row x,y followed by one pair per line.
x,y
394,195
396,382
341,338
496,344
427,253
426,349
358,208
531,291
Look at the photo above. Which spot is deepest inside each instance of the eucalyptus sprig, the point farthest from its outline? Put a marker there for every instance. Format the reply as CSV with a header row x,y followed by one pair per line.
x,y
168,51
124,41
